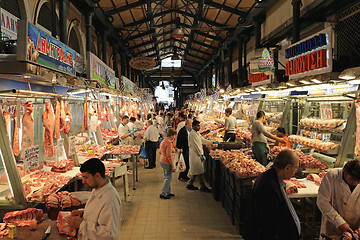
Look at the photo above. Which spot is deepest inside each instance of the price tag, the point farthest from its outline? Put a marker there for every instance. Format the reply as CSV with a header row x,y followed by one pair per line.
x,y
312,151
299,147
106,143
31,158
83,146
112,129
269,165
110,145
326,137
325,111
71,146
90,152
93,142
313,134
87,145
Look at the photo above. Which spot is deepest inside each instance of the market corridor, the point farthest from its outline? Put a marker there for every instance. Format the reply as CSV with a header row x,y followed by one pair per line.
x,y
188,215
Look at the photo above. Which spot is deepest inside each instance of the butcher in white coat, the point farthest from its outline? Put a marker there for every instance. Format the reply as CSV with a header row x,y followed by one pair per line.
x,y
339,199
196,157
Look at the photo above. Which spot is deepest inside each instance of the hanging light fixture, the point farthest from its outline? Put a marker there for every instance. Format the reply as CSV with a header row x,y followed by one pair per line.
x,y
317,79
347,74
178,32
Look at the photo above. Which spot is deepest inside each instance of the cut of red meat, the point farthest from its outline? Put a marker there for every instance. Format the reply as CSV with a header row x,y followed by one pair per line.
x,y
49,124
24,217
16,140
62,224
28,126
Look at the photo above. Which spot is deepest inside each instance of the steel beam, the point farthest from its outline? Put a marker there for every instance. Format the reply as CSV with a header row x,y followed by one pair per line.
x,y
125,7
208,35
225,8
204,44
141,45
145,51
128,38
133,24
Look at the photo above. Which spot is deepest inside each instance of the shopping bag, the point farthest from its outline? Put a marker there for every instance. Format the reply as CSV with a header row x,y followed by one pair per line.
x,y
181,167
165,128
143,153
176,158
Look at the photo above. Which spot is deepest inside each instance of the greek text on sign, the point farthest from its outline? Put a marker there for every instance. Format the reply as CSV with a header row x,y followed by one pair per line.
x,y
266,64
313,134
299,147
31,158
325,111
9,25
72,145
326,137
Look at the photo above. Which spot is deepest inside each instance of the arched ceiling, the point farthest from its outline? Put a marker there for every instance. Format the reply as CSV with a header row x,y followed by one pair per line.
x,y
145,26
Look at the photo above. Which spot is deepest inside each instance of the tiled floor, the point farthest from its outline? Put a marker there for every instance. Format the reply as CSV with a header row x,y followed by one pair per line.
x,y
188,215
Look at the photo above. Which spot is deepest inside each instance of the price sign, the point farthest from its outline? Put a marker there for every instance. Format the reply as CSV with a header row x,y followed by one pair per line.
x,y
299,147
302,132
59,150
112,129
325,111
313,134
312,151
110,145
83,146
31,158
326,137
249,110
90,152
87,145
71,146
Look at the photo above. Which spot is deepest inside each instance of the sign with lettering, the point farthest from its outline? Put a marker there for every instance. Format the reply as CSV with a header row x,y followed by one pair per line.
x,y
9,25
326,137
260,78
10,105
72,144
299,147
100,71
249,110
325,111
43,49
312,55
59,150
313,134
31,158
266,63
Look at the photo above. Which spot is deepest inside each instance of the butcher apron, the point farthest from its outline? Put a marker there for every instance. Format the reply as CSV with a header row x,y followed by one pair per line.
x,y
261,152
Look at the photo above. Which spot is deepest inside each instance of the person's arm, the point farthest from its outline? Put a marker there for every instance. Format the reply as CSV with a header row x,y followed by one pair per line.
x,y
169,155
226,125
324,203
261,129
106,225
146,135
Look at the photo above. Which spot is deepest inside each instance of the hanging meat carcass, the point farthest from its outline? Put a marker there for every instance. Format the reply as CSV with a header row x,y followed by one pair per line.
x,y
68,118
28,126
49,124
62,115
57,119
357,144
16,140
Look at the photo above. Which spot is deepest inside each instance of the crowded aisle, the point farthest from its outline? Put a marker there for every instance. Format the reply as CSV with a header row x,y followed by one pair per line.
x,y
188,215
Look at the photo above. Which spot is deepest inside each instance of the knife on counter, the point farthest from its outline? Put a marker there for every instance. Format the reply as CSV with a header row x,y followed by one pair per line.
x,y
47,233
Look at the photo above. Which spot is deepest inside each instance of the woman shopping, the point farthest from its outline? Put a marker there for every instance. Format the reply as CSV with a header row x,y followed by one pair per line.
x,y
167,162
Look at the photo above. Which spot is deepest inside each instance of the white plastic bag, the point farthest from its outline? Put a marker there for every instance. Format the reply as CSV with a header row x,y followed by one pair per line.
x,y
181,167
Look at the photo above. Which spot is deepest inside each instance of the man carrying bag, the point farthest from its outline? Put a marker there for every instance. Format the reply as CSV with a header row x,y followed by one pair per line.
x,y
182,143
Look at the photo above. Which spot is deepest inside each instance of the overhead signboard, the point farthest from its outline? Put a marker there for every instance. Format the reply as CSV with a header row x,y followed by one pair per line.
x,y
36,46
257,79
9,25
310,56
99,71
266,63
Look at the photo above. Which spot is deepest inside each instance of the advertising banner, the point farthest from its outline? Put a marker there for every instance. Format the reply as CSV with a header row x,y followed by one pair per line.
x,y
9,25
100,71
128,84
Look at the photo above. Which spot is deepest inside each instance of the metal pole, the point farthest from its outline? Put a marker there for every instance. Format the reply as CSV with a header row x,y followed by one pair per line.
x,y
89,17
62,13
296,20
257,31
53,18
230,55
240,62
103,40
245,79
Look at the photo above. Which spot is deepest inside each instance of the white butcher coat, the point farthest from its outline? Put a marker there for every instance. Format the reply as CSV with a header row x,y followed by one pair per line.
x,y
196,142
102,215
124,129
337,203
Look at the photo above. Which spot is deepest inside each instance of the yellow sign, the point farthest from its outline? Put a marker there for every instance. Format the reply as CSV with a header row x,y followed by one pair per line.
x,y
90,152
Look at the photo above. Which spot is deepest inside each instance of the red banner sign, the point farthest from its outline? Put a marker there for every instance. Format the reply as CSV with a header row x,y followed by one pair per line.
x,y
311,61
258,77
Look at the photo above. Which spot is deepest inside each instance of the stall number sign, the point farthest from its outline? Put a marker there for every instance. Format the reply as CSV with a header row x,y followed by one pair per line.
x,y
325,111
313,134
31,158
71,148
312,151
299,147
59,150
326,137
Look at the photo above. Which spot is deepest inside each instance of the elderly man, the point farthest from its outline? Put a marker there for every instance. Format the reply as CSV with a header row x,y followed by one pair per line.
x,y
102,214
151,137
272,215
182,143
339,199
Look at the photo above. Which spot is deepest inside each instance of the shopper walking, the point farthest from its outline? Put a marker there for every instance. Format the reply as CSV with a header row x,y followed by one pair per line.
x,y
272,215
167,162
259,147
197,158
151,138
182,143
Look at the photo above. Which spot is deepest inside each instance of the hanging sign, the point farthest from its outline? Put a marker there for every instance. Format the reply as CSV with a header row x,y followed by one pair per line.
x,y
249,110
10,105
38,47
31,158
72,144
260,78
99,71
326,137
299,147
310,56
266,63
9,25
313,134
325,111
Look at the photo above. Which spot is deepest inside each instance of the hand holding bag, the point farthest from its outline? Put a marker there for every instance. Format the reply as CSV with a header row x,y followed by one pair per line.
x,y
181,167
143,154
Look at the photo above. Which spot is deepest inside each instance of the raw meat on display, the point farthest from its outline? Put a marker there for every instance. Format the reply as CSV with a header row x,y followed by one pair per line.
x,y
306,161
7,118
28,126
24,217
242,133
62,115
49,124
313,143
57,119
121,149
68,119
321,123
63,166
63,225
85,115
16,138
291,187
357,143
349,236
3,230
316,178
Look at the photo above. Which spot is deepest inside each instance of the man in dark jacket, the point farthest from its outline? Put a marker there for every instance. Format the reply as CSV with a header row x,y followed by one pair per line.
x,y
182,143
272,215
